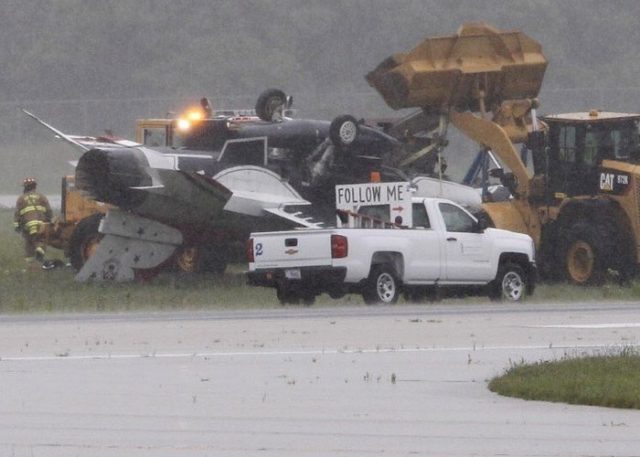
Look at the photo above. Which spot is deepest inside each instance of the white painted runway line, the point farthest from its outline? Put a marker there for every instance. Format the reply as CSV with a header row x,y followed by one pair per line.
x,y
587,326
209,355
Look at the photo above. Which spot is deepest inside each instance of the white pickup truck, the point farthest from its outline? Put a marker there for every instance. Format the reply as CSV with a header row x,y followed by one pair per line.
x,y
438,246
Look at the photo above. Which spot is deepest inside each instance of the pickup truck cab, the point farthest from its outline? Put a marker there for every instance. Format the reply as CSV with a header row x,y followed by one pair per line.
x,y
442,247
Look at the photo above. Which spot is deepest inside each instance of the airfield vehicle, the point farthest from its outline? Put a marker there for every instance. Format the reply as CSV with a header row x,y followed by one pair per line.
x,y
387,242
75,230
581,201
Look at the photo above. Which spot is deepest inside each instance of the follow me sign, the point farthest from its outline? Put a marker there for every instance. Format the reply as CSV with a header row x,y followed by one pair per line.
x,y
349,196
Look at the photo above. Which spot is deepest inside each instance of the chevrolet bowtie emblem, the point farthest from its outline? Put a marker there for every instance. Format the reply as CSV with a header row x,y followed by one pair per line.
x,y
291,251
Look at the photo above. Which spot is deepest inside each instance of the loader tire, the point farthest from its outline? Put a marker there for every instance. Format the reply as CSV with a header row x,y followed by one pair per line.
x,y
587,251
84,240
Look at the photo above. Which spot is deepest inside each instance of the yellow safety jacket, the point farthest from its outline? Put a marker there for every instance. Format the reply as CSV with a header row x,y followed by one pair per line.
x,y
32,211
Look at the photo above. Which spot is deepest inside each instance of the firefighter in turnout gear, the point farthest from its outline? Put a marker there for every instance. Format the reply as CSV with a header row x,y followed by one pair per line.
x,y
33,212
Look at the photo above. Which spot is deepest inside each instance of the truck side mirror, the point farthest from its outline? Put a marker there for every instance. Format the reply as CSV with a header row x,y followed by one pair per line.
x,y
481,225
510,181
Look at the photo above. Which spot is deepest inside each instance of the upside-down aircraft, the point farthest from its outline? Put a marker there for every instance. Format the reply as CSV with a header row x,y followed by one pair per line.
x,y
232,175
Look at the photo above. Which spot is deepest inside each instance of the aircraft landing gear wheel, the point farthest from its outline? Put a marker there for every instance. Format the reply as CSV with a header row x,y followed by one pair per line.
x,y
510,283
188,259
382,286
84,240
269,103
343,131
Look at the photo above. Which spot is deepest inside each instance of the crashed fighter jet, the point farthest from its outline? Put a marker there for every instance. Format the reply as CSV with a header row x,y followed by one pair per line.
x,y
231,176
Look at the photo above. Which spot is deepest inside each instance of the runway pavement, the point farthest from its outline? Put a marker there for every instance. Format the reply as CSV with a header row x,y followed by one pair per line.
x,y
357,381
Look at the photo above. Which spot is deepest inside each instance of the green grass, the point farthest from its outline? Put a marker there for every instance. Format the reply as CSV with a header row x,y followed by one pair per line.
x,y
56,291
611,380
569,293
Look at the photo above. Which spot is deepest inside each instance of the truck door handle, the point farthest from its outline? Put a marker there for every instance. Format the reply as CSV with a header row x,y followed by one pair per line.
x,y
452,239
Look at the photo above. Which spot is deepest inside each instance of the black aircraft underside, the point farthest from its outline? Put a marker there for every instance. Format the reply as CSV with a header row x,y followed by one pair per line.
x,y
229,179
125,176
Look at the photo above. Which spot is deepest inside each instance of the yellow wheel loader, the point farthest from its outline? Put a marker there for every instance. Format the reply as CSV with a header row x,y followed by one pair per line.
x,y
580,199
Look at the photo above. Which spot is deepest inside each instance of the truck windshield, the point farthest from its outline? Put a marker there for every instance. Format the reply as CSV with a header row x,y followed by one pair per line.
x,y
177,139
163,136
455,219
380,212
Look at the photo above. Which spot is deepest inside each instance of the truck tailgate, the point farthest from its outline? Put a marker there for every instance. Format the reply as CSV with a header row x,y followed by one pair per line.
x,y
299,248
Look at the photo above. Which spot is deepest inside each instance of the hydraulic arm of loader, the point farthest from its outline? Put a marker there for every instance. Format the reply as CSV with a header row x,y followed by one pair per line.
x,y
491,135
478,70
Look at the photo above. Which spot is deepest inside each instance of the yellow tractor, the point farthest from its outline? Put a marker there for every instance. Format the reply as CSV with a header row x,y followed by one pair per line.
x,y
580,198
75,231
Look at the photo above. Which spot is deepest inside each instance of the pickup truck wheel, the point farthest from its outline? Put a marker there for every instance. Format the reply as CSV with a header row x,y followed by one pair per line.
x,y
510,283
382,286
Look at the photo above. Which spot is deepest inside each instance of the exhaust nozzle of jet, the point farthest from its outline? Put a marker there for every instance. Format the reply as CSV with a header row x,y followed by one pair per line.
x,y
109,175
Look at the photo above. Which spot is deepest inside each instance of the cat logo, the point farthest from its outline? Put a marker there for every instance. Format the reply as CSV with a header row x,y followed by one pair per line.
x,y
606,181
613,182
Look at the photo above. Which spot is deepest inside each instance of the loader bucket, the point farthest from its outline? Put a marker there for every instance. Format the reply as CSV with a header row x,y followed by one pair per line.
x,y
479,62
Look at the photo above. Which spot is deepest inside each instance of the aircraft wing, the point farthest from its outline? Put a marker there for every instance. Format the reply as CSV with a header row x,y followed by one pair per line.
x,y
58,133
81,142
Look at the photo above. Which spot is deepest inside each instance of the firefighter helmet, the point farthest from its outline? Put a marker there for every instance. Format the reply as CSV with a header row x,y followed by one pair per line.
x,y
29,183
